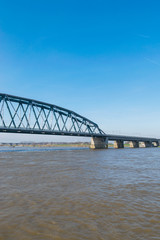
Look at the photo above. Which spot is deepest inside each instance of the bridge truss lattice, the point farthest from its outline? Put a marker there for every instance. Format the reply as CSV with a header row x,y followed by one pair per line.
x,y
22,115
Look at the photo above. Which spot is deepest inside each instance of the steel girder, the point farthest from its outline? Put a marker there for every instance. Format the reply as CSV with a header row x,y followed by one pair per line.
x,y
24,115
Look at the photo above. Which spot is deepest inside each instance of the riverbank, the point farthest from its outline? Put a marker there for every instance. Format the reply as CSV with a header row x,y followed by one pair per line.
x,y
51,144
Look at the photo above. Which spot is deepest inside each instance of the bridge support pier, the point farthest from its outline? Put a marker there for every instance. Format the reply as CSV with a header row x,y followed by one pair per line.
x,y
146,144
155,144
99,143
134,144
119,144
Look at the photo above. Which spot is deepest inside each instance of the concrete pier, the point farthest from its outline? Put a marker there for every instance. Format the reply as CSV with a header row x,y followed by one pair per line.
x,y
134,144
155,144
119,144
146,144
99,143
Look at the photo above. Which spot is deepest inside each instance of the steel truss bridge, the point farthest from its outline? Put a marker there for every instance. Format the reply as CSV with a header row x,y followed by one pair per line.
x,y
23,115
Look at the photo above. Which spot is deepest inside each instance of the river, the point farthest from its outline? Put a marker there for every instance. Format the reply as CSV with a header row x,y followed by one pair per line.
x,y
79,194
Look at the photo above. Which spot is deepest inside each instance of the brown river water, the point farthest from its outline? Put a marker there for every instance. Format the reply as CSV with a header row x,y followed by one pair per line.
x,y
79,194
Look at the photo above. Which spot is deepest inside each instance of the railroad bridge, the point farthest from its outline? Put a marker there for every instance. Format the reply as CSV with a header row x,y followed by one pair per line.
x,y
23,115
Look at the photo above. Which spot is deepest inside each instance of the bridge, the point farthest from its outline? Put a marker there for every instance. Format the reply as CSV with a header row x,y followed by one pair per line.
x,y
23,115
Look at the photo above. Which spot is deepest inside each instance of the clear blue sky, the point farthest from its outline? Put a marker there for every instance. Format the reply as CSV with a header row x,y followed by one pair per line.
x,y
98,58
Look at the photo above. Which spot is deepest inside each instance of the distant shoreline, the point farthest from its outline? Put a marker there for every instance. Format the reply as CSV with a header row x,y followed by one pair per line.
x,y
47,144
55,144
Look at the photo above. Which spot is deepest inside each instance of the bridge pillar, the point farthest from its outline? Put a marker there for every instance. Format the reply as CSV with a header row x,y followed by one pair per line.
x,y
99,143
147,144
155,144
134,144
119,144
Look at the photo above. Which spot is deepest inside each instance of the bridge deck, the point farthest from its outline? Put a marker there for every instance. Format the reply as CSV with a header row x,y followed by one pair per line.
x,y
110,137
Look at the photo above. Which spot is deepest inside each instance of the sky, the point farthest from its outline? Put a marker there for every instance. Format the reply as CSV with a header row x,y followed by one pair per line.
x,y
98,58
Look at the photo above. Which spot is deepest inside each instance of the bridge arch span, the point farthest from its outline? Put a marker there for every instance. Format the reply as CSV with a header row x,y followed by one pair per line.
x,y
23,115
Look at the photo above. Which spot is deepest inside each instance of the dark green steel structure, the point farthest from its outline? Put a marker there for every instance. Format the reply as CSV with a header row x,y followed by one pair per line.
x,y
22,115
